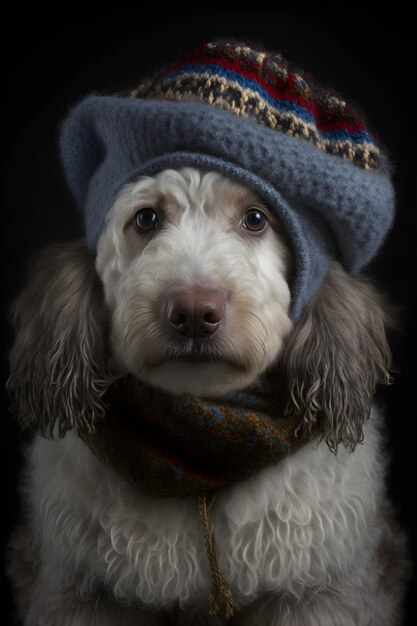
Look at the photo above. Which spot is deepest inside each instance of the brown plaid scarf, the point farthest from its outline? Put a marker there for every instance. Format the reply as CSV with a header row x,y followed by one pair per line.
x,y
169,445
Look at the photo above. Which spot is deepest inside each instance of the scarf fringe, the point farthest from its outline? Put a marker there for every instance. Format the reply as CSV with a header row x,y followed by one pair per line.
x,y
220,598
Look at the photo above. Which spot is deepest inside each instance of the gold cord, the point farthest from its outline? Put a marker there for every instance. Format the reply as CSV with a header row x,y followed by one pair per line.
x,y
220,598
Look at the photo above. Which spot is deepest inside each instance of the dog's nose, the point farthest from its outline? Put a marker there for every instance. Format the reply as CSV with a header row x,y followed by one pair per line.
x,y
195,313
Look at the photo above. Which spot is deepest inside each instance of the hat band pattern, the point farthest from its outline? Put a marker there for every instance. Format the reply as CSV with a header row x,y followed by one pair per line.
x,y
256,86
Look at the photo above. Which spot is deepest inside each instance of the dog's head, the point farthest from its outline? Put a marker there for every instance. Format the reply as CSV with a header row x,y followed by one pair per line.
x,y
190,291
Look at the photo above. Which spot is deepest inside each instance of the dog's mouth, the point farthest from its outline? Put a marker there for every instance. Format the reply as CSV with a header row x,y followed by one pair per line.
x,y
196,358
197,354
204,368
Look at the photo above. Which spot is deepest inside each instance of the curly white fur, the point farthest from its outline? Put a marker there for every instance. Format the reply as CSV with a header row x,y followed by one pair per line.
x,y
295,526
307,542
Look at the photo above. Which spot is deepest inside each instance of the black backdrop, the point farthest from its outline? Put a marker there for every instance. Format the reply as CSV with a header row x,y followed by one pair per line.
x,y
49,64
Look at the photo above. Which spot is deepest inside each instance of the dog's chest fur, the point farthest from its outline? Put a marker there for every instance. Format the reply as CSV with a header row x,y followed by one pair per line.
x,y
292,526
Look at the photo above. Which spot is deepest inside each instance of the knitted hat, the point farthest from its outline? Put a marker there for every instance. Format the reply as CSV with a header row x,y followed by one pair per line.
x,y
245,112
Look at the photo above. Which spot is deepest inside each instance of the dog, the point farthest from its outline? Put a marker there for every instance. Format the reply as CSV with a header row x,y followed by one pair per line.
x,y
310,540
201,367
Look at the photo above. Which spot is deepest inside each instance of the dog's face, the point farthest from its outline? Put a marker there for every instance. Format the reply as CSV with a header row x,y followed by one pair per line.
x,y
195,269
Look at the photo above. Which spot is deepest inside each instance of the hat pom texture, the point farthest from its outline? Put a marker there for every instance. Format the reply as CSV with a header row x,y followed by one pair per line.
x,y
244,111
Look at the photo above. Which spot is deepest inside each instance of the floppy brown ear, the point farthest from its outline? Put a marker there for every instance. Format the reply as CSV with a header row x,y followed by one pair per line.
x,y
334,358
58,363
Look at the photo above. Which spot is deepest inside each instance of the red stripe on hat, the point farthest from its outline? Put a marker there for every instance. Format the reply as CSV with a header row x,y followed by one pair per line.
x,y
280,94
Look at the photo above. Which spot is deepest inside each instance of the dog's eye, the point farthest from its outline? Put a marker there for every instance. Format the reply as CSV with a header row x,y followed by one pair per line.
x,y
146,219
254,220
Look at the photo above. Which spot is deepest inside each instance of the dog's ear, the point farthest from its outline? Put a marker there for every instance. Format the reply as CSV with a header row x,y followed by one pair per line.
x,y
58,361
334,358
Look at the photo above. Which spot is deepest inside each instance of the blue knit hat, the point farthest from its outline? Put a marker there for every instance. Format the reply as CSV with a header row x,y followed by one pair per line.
x,y
245,112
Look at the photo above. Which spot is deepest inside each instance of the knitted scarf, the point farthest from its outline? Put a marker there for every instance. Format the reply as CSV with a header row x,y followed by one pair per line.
x,y
169,445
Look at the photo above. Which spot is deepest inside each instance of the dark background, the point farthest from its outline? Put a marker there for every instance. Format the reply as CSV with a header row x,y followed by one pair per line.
x,y
50,64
